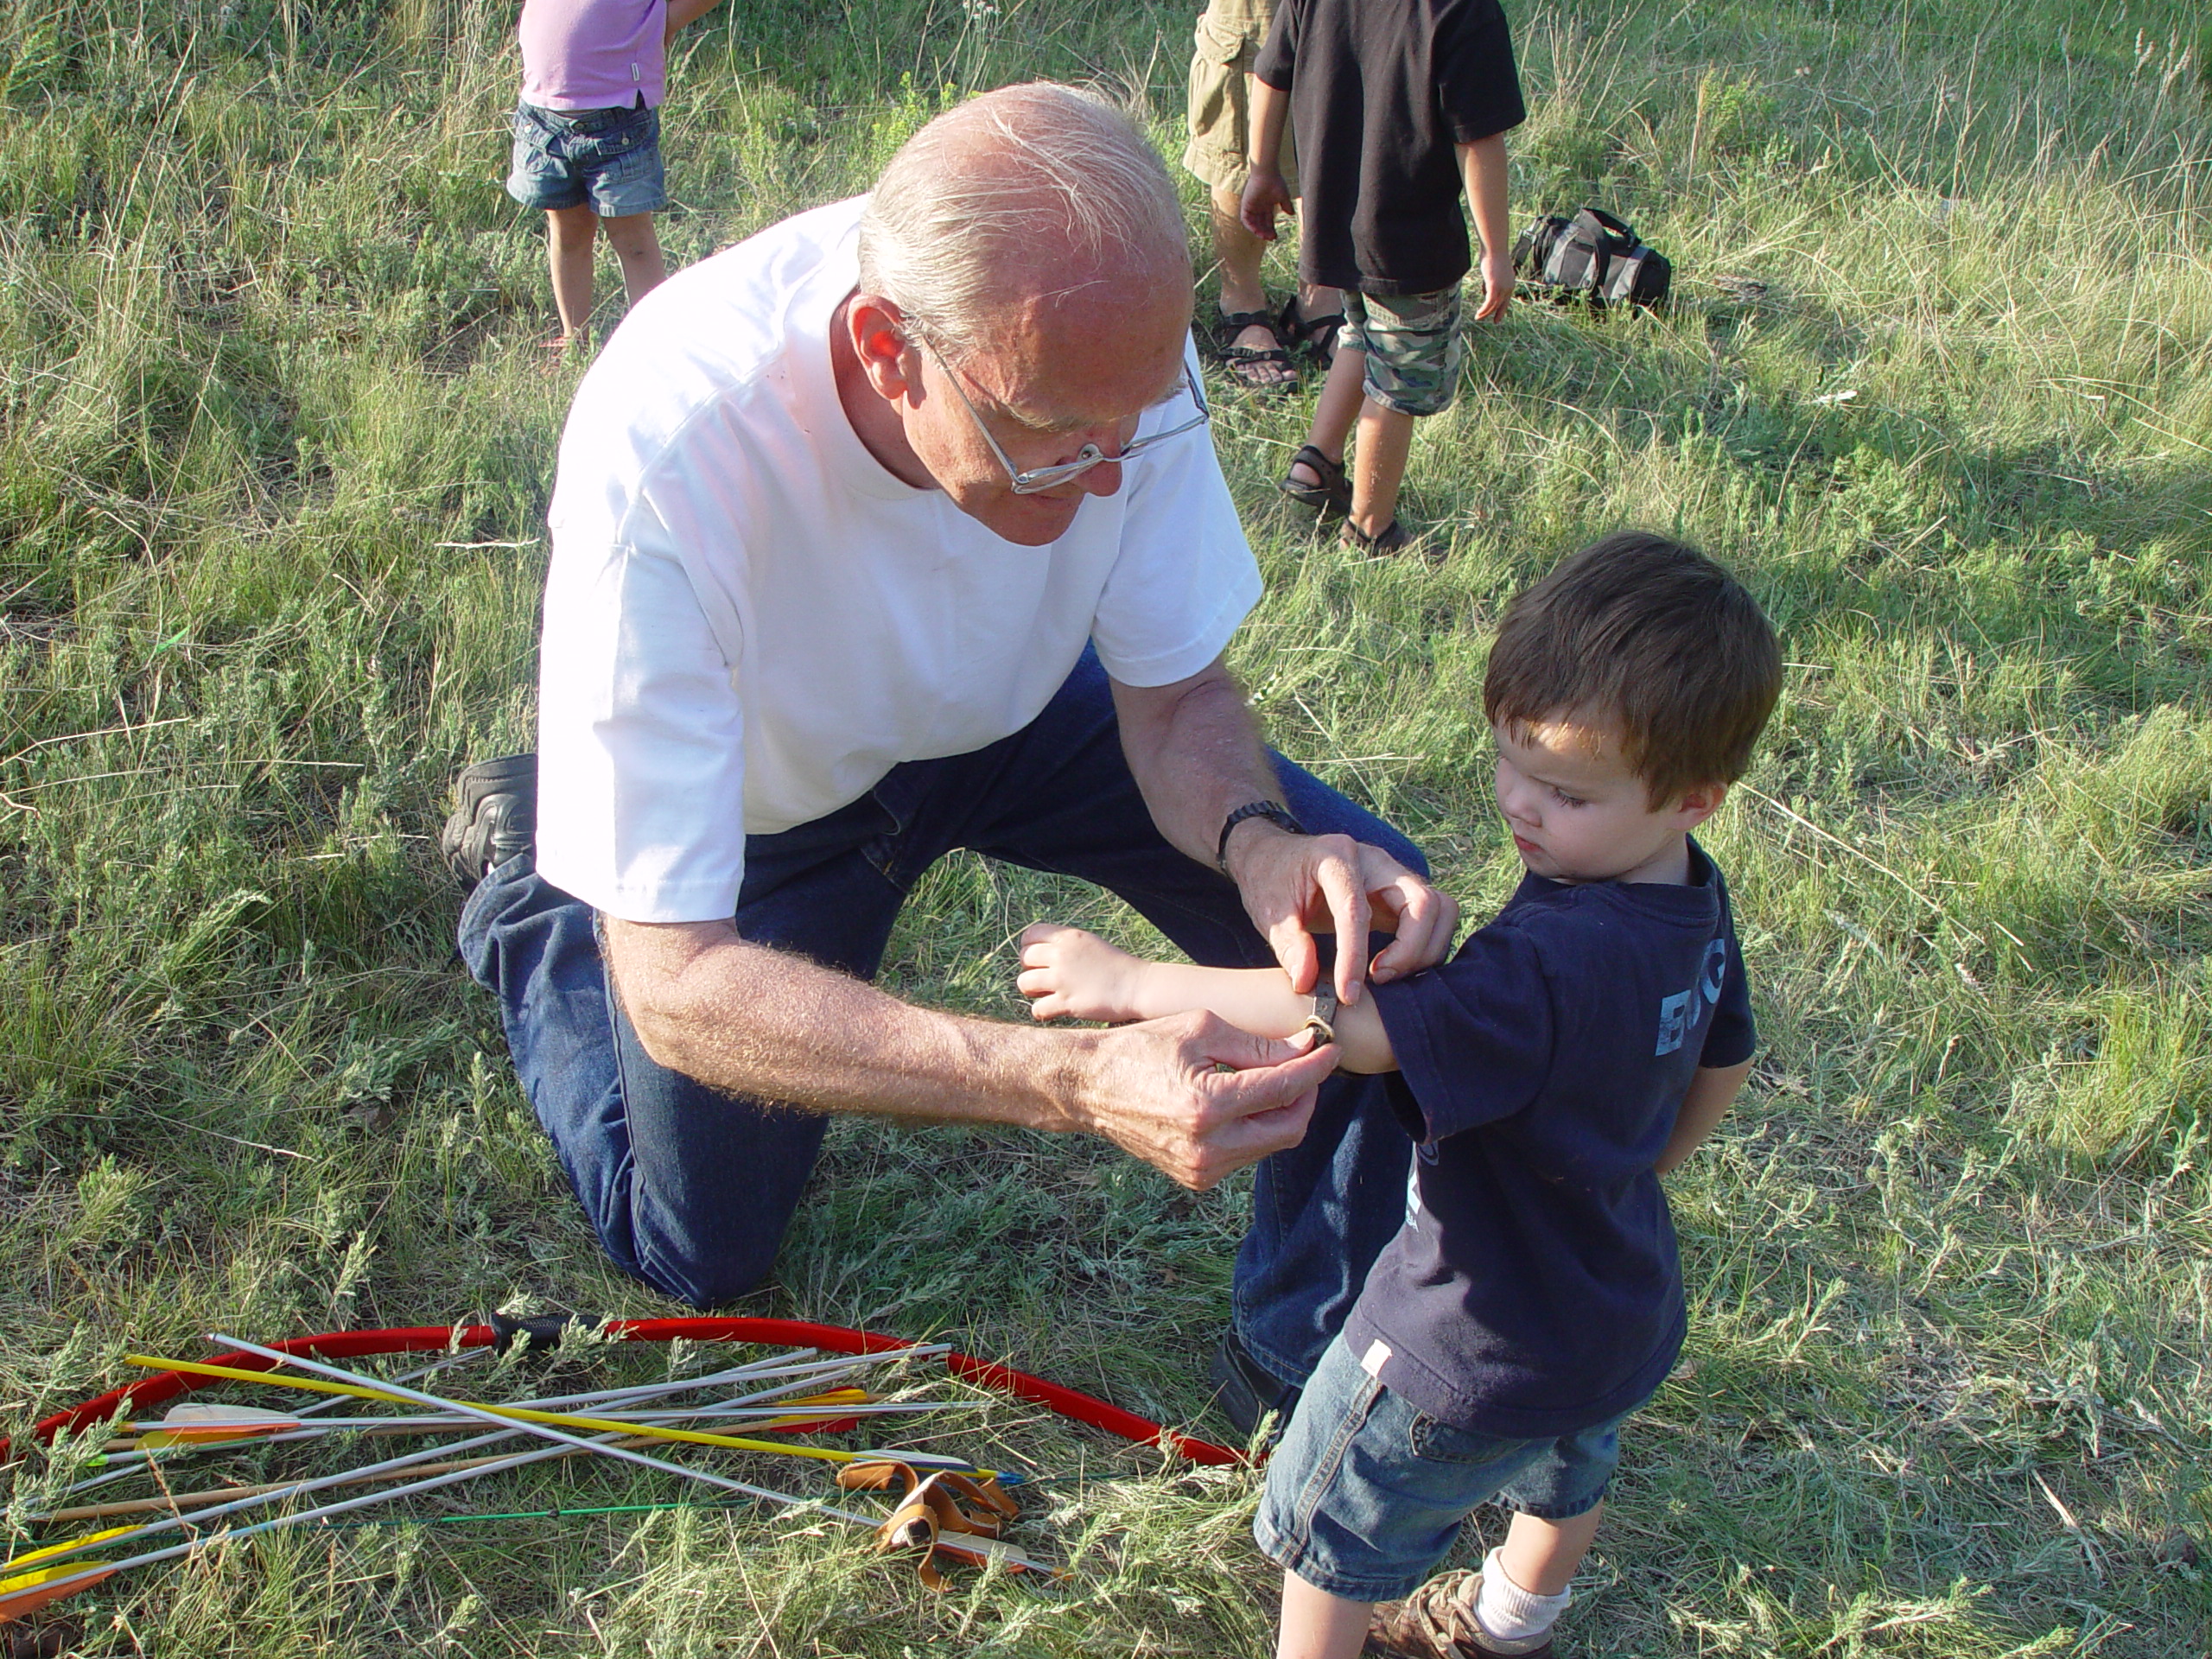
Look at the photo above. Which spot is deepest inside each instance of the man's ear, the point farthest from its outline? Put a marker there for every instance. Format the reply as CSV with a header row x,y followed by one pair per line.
x,y
1698,804
877,332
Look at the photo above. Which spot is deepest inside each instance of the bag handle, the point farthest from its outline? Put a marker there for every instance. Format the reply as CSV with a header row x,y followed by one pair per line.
x,y
1604,229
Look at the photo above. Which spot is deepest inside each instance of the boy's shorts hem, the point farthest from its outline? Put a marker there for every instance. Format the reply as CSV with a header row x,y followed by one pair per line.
x,y
1547,1512
1366,1494
1310,1568
1413,347
609,159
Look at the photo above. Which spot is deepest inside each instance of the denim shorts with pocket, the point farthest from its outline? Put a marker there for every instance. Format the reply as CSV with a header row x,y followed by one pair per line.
x,y
1365,1494
609,158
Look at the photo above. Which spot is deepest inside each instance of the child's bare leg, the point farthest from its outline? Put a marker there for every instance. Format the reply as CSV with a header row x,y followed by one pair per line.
x,y
1334,412
568,233
637,247
1314,301
1317,1625
1542,1556
1386,439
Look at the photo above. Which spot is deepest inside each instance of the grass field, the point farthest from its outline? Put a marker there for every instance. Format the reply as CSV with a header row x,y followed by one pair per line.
x,y
275,439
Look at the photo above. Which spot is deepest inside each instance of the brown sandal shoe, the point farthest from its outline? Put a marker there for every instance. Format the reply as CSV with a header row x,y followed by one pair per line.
x,y
1264,369
1392,537
1316,337
1332,494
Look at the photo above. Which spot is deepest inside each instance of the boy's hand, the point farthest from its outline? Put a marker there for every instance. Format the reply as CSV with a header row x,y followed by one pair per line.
x,y
1266,194
1498,284
1069,974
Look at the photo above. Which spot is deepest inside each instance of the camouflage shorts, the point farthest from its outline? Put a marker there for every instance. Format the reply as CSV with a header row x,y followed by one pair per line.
x,y
1413,346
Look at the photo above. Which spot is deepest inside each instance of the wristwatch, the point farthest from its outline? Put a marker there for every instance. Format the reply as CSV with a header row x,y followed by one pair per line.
x,y
1273,811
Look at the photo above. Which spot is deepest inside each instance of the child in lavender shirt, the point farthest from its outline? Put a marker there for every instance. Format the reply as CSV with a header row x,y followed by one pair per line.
x,y
587,138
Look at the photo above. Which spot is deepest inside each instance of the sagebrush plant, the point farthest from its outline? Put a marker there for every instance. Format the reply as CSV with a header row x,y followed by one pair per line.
x,y
275,441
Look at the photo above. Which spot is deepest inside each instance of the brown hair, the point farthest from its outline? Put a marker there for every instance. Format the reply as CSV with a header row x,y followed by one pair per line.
x,y
1651,636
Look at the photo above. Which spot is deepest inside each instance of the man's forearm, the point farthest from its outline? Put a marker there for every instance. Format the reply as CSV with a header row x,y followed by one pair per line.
x,y
1192,1096
1196,757
748,1020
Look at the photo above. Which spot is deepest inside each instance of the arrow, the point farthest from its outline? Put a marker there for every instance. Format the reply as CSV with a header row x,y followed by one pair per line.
x,y
547,1423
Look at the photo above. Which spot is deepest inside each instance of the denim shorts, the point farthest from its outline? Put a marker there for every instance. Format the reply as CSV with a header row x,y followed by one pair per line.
x,y
1365,1494
610,158
1413,346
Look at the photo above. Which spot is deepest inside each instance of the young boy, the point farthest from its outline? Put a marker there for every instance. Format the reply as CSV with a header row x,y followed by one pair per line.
x,y
587,133
1253,344
1572,1052
1395,106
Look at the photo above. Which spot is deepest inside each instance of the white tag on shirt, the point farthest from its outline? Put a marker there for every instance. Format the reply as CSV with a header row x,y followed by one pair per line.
x,y
1378,1356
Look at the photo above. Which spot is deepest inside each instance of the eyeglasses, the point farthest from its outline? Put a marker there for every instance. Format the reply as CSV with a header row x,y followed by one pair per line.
x,y
1037,480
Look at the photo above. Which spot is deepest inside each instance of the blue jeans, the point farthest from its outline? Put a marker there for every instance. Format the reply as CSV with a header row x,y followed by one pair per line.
x,y
1365,1494
692,1190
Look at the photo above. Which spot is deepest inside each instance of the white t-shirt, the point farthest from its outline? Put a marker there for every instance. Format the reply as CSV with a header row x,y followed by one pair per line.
x,y
748,621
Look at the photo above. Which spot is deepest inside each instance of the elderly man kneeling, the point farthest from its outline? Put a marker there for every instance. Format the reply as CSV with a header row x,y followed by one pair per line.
x,y
893,529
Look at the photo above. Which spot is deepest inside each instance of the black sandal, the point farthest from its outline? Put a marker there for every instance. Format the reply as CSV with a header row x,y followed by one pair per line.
x,y
1332,494
1392,537
1249,366
1315,336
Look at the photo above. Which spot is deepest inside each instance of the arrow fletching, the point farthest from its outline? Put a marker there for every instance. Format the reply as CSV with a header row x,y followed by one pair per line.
x,y
199,1423
50,1585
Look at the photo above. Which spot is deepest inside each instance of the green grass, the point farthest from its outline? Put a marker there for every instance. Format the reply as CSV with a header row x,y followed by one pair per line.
x,y
275,439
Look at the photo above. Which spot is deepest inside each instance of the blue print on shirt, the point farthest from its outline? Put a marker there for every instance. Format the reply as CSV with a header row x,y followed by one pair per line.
x,y
1678,1013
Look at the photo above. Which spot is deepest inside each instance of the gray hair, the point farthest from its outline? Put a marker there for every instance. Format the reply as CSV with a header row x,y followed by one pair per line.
x,y
1028,176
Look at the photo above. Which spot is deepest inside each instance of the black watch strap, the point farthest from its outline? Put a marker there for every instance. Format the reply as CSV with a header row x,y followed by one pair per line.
x,y
1273,811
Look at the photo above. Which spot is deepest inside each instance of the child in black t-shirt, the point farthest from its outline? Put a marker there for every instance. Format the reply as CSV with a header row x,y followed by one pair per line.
x,y
1572,1053
1395,106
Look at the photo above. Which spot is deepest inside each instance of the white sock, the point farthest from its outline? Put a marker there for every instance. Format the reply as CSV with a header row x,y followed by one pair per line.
x,y
1510,1613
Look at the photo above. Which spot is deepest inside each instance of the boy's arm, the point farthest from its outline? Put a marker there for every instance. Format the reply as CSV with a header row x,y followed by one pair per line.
x,y
1072,974
682,13
1266,194
1482,164
1712,1090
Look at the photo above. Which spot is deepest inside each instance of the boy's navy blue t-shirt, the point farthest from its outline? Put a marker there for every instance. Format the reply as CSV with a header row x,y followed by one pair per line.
x,y
1534,1288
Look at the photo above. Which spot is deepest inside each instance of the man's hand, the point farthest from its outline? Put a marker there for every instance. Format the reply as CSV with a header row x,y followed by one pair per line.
x,y
1266,194
1296,886
1197,1098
